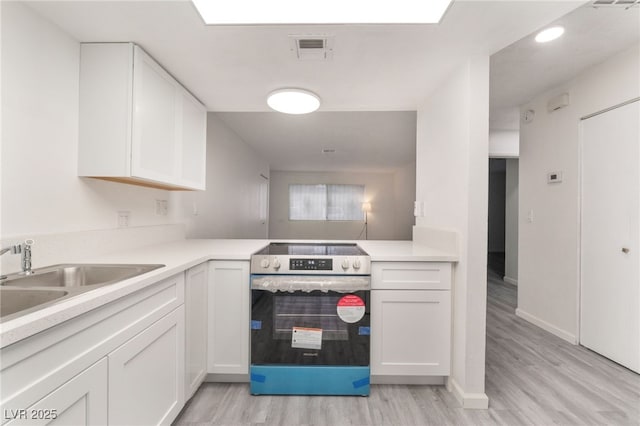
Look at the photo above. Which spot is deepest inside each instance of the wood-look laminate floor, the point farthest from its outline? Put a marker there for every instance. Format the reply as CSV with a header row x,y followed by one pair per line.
x,y
532,378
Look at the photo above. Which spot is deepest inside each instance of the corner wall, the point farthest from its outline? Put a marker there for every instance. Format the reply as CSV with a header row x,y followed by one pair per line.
x,y
235,202
452,181
511,223
548,281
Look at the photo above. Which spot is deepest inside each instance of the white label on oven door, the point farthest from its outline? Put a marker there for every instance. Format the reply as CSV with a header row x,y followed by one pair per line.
x,y
350,308
306,338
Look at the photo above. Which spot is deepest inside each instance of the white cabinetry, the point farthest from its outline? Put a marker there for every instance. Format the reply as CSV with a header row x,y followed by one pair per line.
x,y
196,328
80,401
137,123
229,316
410,319
138,338
146,374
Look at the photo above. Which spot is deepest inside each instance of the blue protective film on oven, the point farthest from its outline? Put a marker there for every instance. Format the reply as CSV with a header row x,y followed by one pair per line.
x,y
256,325
309,380
260,378
364,331
360,383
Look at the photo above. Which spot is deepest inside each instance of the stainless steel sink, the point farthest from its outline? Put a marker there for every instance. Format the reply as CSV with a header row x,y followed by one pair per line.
x,y
20,293
77,275
14,300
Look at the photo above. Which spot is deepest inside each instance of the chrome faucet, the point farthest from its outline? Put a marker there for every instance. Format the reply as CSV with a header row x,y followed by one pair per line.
x,y
25,249
26,257
14,249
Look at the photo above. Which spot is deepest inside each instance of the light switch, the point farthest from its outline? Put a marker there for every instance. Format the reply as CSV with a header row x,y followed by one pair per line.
x,y
530,216
554,177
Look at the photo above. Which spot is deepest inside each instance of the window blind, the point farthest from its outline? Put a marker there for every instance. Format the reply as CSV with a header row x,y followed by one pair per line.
x,y
326,202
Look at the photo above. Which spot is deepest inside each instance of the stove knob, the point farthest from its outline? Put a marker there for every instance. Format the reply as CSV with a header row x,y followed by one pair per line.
x,y
264,263
356,264
345,264
276,264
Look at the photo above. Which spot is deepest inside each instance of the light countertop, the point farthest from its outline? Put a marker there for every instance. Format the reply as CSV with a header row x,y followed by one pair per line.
x,y
178,256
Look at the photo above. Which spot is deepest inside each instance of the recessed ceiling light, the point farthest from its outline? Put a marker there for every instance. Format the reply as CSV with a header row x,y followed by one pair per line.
x,y
549,34
293,101
248,12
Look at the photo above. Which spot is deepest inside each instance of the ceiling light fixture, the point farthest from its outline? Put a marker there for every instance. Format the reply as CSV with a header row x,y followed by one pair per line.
x,y
549,34
293,101
250,12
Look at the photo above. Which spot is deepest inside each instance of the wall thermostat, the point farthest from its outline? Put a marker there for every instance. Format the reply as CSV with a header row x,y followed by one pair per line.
x,y
554,177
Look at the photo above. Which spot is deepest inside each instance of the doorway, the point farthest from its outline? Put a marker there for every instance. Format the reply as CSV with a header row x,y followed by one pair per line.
x,y
496,219
502,238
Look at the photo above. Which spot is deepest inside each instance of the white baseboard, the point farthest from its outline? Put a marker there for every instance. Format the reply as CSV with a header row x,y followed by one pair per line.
x,y
227,378
510,280
474,401
407,380
564,335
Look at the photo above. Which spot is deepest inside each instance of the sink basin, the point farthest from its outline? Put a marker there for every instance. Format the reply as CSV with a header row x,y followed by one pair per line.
x,y
14,300
78,275
21,294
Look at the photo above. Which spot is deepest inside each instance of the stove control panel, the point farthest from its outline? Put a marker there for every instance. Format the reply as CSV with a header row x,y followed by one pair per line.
x,y
310,264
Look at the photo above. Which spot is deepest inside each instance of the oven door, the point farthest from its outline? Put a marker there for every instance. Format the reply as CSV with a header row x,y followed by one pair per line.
x,y
310,320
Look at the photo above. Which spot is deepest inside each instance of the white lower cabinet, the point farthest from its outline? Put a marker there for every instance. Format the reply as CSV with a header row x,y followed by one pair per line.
x,y
196,283
80,401
119,364
146,374
410,333
229,316
410,319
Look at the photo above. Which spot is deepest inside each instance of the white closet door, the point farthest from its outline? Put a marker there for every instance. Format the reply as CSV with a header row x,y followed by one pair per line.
x,y
610,252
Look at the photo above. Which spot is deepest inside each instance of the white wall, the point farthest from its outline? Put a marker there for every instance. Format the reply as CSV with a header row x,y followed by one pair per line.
x,y
452,171
390,194
41,192
511,223
504,143
231,205
548,246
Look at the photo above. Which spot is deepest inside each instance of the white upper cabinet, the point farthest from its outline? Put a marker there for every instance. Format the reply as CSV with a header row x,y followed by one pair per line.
x,y
137,123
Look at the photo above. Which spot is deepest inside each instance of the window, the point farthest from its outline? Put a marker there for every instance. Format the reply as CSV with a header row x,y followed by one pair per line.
x,y
326,202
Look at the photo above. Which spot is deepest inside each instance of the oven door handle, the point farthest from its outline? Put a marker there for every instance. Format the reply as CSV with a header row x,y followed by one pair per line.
x,y
308,283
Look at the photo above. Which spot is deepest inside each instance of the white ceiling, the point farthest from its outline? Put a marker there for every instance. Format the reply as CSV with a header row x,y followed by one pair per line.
x,y
363,141
526,68
374,68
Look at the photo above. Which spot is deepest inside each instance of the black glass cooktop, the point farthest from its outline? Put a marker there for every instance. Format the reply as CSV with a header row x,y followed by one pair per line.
x,y
312,249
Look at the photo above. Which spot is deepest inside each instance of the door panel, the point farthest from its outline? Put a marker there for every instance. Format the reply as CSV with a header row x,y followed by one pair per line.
x,y
610,253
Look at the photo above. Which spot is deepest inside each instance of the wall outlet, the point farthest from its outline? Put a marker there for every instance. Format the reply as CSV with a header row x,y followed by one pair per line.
x,y
530,216
418,208
162,207
124,217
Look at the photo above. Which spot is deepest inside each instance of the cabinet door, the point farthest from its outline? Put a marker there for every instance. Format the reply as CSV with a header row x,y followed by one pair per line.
x,y
196,328
154,141
146,374
410,332
229,303
80,401
193,142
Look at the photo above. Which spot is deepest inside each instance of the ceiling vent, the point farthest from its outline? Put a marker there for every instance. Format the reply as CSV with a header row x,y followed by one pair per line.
x,y
615,3
312,47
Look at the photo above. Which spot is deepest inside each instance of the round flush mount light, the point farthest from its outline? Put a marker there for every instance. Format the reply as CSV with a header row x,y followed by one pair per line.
x,y
293,101
549,34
